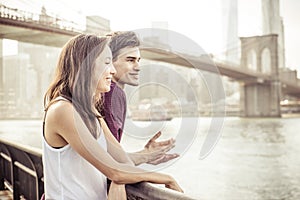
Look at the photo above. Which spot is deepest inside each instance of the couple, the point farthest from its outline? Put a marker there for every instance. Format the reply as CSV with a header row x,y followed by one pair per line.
x,y
85,111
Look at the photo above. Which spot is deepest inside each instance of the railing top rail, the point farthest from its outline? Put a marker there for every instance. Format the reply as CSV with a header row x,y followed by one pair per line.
x,y
26,148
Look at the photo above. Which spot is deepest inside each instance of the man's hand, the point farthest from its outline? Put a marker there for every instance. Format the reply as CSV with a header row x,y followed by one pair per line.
x,y
156,152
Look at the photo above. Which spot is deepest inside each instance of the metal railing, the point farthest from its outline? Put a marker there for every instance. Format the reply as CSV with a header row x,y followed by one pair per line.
x,y
49,21
21,172
39,18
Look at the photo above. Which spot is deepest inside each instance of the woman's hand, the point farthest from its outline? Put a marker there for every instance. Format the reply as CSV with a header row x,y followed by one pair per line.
x,y
116,192
174,186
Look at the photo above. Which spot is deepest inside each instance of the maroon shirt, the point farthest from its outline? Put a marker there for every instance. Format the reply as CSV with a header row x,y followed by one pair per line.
x,y
114,110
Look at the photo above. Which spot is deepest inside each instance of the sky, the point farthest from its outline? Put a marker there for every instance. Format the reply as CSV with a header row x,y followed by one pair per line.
x,y
199,20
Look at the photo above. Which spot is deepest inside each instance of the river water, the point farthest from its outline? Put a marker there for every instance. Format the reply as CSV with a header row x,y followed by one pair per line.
x,y
256,158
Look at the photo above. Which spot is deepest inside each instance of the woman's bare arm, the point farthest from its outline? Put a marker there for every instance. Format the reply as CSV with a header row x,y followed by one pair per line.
x,y
66,122
113,146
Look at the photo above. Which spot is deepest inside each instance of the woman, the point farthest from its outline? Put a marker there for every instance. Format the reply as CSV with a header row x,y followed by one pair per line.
x,y
79,151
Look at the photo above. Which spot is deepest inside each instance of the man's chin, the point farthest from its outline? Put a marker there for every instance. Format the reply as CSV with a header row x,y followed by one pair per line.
x,y
129,82
133,83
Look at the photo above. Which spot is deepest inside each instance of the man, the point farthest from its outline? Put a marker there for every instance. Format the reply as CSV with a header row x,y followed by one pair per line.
x,y
126,57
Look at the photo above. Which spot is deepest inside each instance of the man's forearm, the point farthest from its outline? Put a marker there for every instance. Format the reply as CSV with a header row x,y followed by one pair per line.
x,y
138,157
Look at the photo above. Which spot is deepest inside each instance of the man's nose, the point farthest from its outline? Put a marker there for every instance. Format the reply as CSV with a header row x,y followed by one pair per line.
x,y
113,69
137,66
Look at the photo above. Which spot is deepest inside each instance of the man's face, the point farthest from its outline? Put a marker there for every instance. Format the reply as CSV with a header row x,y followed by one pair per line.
x,y
127,67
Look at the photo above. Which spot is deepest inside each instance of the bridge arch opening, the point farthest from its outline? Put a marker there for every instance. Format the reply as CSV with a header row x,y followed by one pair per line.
x,y
266,61
251,60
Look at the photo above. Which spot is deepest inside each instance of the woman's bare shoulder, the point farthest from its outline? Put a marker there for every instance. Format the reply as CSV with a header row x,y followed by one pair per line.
x,y
59,112
60,107
59,115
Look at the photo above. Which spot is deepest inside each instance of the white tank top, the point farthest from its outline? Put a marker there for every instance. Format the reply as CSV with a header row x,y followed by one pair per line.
x,y
67,175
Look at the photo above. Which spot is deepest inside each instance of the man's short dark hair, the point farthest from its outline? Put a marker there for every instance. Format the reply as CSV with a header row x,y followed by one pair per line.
x,y
120,40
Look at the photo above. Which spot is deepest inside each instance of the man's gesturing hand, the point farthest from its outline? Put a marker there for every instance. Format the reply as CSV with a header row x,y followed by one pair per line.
x,y
156,152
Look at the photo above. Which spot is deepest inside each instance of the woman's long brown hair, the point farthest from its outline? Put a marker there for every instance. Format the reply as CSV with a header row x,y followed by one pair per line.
x,y
73,79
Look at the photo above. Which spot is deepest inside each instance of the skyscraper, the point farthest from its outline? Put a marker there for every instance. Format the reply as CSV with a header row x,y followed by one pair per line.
x,y
272,23
230,30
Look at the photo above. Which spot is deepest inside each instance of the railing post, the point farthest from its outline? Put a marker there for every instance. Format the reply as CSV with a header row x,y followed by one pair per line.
x,y
16,182
1,174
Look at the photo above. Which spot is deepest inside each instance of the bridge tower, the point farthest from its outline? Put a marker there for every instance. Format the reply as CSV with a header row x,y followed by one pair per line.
x,y
1,65
261,98
2,104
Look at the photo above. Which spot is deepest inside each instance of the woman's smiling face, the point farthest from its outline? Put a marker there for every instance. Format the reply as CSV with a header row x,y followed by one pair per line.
x,y
104,71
